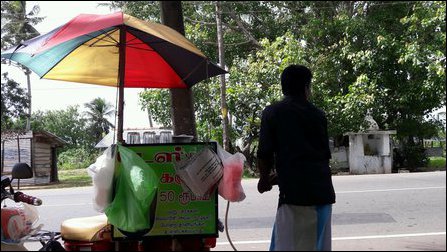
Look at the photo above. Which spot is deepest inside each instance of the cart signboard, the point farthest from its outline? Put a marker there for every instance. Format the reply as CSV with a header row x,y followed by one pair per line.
x,y
178,212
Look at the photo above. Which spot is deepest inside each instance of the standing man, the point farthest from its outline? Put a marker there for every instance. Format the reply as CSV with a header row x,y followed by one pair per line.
x,y
294,142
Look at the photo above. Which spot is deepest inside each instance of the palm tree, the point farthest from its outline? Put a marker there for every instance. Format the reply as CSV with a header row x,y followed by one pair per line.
x,y
17,26
98,110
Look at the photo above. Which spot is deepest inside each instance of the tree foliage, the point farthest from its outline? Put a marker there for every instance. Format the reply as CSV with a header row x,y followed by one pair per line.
x,y
17,26
14,103
378,57
385,58
68,124
17,23
97,112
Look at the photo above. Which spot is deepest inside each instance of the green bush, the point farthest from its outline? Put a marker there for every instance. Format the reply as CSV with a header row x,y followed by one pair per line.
x,y
414,156
76,158
248,173
436,162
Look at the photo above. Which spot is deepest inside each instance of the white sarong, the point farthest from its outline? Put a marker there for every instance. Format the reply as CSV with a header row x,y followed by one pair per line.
x,y
302,228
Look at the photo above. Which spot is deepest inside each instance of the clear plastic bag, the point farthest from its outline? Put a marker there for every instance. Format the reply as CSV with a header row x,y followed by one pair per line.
x,y
230,187
102,177
201,173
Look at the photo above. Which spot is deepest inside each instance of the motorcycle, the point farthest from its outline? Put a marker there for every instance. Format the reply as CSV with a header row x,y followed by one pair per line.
x,y
19,223
19,220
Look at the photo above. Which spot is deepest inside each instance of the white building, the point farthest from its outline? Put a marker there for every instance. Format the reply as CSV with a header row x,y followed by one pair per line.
x,y
370,152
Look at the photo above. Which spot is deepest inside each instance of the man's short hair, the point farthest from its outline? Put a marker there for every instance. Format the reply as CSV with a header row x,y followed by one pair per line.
x,y
295,79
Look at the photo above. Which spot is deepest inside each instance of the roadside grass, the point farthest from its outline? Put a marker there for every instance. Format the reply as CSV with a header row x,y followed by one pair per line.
x,y
436,163
67,178
76,177
80,177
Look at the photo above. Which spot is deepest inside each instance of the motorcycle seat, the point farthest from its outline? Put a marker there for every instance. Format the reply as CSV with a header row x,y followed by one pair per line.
x,y
84,228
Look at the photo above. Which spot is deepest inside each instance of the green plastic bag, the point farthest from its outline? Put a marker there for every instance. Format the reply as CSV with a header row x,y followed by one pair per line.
x,y
135,189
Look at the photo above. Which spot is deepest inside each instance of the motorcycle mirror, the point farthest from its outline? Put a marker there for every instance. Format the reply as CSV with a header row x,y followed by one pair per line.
x,y
6,181
21,171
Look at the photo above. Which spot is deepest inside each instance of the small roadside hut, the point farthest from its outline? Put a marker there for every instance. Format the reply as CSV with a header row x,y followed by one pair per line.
x,y
370,151
37,149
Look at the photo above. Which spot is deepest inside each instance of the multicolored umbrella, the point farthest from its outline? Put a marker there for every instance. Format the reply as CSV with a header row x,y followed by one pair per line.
x,y
87,50
115,50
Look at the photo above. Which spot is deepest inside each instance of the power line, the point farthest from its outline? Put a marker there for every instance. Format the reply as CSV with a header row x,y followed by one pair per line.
x,y
232,3
265,11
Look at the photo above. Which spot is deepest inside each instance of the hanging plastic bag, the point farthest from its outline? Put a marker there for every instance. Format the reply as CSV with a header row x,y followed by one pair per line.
x,y
102,177
135,189
230,187
200,173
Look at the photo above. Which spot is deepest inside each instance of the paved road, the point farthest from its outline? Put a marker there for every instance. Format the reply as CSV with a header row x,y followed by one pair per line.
x,y
372,212
405,211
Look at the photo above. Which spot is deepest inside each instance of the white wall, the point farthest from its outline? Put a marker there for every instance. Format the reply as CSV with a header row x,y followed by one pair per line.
x,y
378,161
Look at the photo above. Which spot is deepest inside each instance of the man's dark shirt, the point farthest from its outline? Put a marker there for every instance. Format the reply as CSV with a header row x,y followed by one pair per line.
x,y
294,134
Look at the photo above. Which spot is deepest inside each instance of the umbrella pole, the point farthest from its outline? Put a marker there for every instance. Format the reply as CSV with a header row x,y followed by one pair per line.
x,y
121,72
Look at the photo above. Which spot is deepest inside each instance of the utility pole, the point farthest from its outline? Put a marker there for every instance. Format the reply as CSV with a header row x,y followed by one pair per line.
x,y
182,106
28,81
223,87
149,115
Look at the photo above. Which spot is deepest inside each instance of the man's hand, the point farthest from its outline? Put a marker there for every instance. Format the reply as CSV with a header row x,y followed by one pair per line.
x,y
264,166
273,178
264,185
